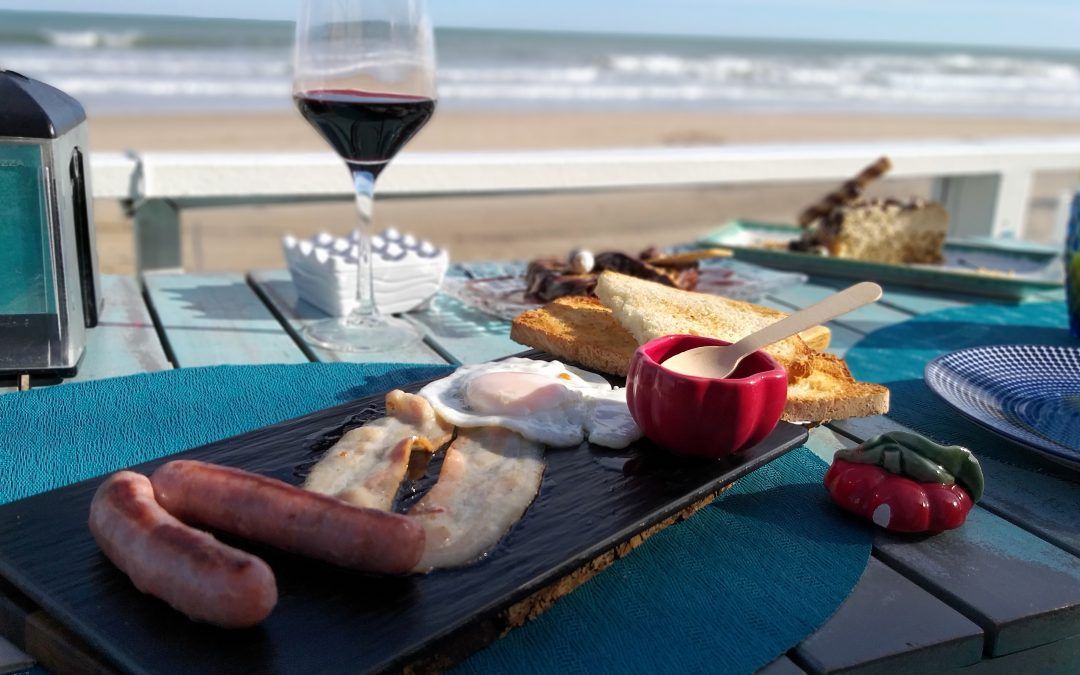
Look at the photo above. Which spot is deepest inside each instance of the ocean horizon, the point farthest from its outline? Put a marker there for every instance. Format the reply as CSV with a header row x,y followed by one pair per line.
x,y
145,64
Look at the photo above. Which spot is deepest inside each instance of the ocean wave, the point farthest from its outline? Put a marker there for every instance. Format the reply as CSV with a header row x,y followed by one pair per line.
x,y
570,75
167,63
190,88
113,69
829,69
91,39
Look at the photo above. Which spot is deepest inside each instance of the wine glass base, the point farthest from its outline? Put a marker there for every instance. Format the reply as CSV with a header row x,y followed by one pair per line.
x,y
371,335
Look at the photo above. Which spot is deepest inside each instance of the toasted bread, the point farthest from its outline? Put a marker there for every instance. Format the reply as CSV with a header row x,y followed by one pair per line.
x,y
581,329
578,329
651,310
831,393
584,331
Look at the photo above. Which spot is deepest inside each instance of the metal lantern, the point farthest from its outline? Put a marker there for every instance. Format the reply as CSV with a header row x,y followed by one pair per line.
x,y
50,291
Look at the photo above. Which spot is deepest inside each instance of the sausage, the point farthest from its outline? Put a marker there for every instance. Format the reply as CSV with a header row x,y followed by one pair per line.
x,y
287,517
189,569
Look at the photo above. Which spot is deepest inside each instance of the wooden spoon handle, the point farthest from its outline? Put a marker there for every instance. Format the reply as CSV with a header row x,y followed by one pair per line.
x,y
831,307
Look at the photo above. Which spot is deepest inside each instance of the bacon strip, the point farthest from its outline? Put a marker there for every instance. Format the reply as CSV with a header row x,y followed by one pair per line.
x,y
489,477
367,465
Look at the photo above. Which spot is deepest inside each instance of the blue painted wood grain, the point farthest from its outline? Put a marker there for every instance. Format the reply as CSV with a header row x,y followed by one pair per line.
x,y
911,630
1058,658
465,334
862,320
214,319
125,341
910,300
1022,590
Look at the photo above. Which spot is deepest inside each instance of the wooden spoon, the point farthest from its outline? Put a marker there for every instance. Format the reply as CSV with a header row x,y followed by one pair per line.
x,y
719,362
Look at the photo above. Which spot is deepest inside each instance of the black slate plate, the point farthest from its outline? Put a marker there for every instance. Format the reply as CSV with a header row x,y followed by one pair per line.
x,y
591,501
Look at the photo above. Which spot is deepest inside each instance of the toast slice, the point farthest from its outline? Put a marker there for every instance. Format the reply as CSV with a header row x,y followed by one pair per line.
x,y
831,393
651,310
583,331
579,329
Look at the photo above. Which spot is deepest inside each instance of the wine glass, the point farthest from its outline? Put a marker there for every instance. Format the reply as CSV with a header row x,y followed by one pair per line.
x,y
364,77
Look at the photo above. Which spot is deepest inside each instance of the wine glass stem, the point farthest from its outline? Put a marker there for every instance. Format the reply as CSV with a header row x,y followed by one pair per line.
x,y
365,311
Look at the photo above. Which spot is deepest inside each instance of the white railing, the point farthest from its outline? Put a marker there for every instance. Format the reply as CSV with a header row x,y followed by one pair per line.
x,y
984,184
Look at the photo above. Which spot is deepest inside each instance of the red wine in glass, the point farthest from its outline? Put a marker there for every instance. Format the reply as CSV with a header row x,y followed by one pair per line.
x,y
365,128
364,78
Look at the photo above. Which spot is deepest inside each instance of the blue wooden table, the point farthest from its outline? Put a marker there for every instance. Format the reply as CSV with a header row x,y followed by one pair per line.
x,y
975,599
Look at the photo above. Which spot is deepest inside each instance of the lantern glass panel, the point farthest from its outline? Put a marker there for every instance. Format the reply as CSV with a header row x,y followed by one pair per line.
x,y
26,275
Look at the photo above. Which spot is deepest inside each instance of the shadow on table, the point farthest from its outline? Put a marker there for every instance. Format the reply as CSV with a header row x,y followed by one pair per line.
x,y
222,301
392,380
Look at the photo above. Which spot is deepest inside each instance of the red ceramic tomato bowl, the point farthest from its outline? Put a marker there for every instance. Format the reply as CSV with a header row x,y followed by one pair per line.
x,y
702,416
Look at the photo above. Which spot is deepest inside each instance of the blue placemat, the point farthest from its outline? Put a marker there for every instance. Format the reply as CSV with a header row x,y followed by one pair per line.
x,y
728,590
72,432
897,355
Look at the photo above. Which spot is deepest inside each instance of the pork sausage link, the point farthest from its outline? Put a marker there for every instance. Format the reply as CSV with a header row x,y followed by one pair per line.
x,y
189,569
287,517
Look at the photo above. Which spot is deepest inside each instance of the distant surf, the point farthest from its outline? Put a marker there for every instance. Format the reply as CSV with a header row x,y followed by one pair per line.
x,y
117,63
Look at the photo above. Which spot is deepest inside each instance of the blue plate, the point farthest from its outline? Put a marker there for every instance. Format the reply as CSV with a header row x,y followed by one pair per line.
x,y
1028,393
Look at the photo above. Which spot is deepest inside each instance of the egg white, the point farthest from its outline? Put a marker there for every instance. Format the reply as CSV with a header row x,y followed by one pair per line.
x,y
591,409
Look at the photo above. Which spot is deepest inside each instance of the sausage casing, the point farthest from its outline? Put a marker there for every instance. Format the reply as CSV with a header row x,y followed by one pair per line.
x,y
287,517
187,568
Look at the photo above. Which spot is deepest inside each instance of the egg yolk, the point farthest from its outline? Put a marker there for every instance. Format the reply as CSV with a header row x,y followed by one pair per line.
x,y
511,393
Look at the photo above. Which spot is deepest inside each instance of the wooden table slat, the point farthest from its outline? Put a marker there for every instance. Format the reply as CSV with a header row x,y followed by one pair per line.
x,y
888,624
466,334
913,300
862,320
1023,591
125,341
215,319
1058,658
277,289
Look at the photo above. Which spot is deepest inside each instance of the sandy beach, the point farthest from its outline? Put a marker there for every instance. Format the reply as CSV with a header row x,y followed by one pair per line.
x,y
243,238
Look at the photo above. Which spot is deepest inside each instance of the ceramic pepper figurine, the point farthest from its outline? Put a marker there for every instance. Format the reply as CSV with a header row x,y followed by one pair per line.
x,y
904,482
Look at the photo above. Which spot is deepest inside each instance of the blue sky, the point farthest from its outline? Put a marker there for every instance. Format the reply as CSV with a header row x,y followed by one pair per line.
x,y
1031,23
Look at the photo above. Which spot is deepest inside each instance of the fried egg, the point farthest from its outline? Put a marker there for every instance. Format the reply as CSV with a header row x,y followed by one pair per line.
x,y
544,401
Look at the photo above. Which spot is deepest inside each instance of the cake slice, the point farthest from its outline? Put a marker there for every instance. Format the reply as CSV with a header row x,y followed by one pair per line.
x,y
887,231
